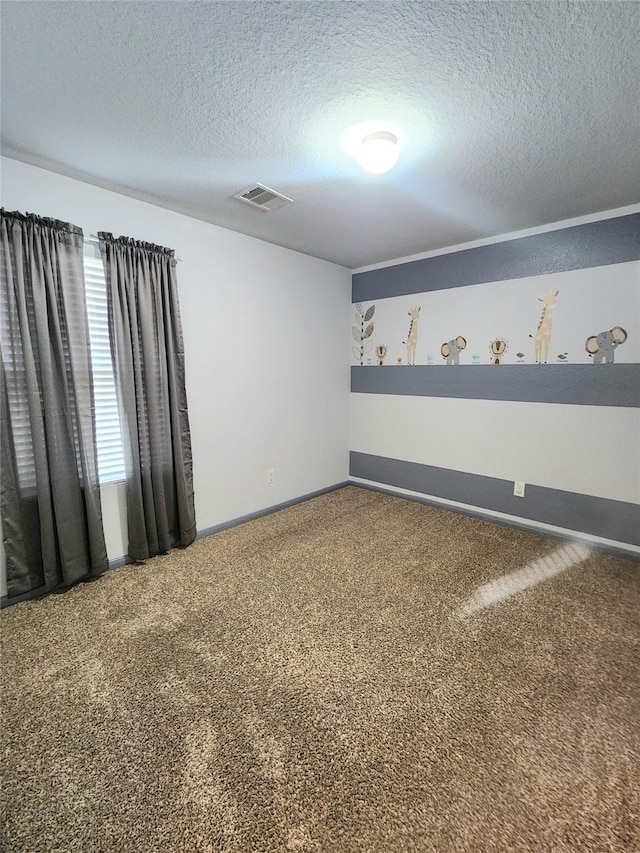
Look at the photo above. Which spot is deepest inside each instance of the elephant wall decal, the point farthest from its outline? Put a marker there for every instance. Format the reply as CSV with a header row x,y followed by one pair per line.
x,y
602,347
451,350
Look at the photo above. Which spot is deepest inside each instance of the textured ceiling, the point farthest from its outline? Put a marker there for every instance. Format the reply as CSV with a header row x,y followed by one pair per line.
x,y
511,115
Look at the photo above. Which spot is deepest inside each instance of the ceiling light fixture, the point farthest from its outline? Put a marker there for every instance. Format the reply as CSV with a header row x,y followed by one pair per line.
x,y
378,152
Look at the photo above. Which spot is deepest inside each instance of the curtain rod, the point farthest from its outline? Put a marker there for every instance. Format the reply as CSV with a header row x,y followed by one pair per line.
x,y
95,241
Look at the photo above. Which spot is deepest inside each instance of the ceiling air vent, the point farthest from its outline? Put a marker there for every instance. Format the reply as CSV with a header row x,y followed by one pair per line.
x,y
262,197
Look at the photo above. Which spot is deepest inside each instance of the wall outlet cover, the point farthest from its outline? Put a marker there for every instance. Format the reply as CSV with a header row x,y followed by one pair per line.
x,y
518,489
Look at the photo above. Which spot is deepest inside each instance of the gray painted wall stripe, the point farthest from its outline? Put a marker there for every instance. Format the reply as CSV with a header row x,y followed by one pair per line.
x,y
617,520
576,384
595,244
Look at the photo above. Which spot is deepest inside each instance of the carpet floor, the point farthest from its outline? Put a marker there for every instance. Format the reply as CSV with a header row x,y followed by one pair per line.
x,y
355,673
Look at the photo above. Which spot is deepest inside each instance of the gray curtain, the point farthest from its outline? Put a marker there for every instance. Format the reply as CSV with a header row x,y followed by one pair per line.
x,y
51,513
148,352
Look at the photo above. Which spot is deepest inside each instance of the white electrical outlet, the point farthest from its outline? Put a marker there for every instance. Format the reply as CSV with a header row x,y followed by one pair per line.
x,y
271,475
518,489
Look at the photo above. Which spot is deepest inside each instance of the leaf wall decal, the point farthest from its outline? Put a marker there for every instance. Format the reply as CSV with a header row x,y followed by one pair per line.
x,y
368,331
358,317
370,312
356,333
367,347
356,353
359,307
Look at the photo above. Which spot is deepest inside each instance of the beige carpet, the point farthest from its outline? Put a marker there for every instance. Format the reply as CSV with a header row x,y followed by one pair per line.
x,y
351,674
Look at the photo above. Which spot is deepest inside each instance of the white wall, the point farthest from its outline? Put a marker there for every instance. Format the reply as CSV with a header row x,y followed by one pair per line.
x,y
266,348
591,450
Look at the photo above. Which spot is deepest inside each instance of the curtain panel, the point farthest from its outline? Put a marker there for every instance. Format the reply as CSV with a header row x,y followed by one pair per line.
x,y
148,353
50,498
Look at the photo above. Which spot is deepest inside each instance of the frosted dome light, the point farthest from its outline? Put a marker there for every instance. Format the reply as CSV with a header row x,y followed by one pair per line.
x,y
378,152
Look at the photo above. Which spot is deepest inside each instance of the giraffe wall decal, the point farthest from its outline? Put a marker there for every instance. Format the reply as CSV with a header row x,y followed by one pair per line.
x,y
543,334
412,337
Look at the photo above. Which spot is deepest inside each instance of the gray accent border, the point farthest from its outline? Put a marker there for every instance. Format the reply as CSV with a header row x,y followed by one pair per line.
x,y
616,520
576,384
234,522
5,601
594,244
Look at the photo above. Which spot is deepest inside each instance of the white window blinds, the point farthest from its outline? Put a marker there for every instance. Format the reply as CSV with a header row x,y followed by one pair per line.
x,y
110,452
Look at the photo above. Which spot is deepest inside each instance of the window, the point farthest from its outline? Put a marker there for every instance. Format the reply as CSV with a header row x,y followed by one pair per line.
x,y
110,450
109,437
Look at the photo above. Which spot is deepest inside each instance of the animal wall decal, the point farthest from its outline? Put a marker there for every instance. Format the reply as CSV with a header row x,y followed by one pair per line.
x,y
498,348
381,353
543,334
363,334
412,337
451,350
602,347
